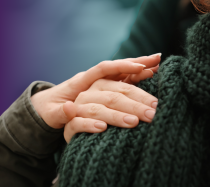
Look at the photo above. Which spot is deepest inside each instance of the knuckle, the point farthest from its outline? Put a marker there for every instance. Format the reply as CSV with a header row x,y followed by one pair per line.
x,y
80,74
73,82
145,98
85,124
81,97
102,65
126,89
93,110
116,117
113,98
136,107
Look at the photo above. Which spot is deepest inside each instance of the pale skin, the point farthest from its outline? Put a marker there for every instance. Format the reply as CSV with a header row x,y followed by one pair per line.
x,y
92,99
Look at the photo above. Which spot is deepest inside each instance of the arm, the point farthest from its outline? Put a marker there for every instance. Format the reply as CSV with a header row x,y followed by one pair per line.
x,y
27,143
31,134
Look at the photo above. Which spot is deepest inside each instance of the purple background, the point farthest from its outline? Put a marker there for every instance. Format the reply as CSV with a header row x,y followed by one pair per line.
x,y
52,40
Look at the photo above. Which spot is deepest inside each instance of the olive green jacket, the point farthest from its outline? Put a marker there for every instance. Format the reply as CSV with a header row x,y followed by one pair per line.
x,y
27,144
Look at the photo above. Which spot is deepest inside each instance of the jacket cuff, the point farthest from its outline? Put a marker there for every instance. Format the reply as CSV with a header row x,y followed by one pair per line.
x,y
24,130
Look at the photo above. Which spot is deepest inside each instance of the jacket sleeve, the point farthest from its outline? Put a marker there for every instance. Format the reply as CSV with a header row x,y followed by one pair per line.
x,y
27,144
152,30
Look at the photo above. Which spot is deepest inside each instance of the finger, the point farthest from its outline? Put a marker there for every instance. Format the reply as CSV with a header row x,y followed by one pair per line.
x,y
109,116
118,102
136,78
59,115
124,76
106,68
79,124
155,69
69,110
131,91
148,61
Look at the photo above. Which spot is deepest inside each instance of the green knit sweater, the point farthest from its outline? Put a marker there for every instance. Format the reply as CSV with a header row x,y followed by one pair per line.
x,y
174,149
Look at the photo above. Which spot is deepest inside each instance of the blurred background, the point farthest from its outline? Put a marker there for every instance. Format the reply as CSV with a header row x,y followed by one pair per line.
x,y
52,40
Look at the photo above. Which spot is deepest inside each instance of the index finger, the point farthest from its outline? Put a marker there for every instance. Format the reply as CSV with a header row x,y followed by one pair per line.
x,y
106,68
148,61
126,66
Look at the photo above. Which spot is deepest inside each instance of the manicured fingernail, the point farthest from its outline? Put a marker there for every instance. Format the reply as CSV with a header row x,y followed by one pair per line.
x,y
154,105
100,125
131,120
157,54
137,65
150,114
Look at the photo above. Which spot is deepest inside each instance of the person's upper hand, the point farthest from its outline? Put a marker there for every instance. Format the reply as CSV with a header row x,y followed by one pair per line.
x,y
56,105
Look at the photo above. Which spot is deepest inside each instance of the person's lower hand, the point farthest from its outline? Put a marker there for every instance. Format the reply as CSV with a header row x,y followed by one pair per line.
x,y
110,102
56,105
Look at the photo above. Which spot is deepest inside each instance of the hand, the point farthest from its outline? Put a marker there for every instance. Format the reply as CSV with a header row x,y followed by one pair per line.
x,y
104,102
116,103
55,105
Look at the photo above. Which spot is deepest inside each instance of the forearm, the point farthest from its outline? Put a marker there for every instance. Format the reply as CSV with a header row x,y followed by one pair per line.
x,y
27,143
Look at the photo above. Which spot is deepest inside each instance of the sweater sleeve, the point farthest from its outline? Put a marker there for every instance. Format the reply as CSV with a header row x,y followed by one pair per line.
x,y
27,143
152,30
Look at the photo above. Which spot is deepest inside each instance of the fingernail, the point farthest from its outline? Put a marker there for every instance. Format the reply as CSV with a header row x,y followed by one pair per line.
x,y
157,54
131,120
100,125
137,65
154,105
150,114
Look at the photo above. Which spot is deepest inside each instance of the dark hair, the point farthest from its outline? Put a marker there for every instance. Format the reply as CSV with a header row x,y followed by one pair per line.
x,y
202,6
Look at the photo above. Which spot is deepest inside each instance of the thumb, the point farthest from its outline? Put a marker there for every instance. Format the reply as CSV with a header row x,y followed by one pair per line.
x,y
69,110
61,115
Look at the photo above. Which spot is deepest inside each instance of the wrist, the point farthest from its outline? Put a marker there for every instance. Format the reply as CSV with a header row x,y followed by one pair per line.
x,y
49,106
37,101
45,108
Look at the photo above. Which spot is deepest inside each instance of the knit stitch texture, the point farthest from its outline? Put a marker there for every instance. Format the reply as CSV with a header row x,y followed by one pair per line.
x,y
173,150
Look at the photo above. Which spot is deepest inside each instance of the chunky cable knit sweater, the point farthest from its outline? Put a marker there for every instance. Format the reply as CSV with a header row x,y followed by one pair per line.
x,y
174,150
